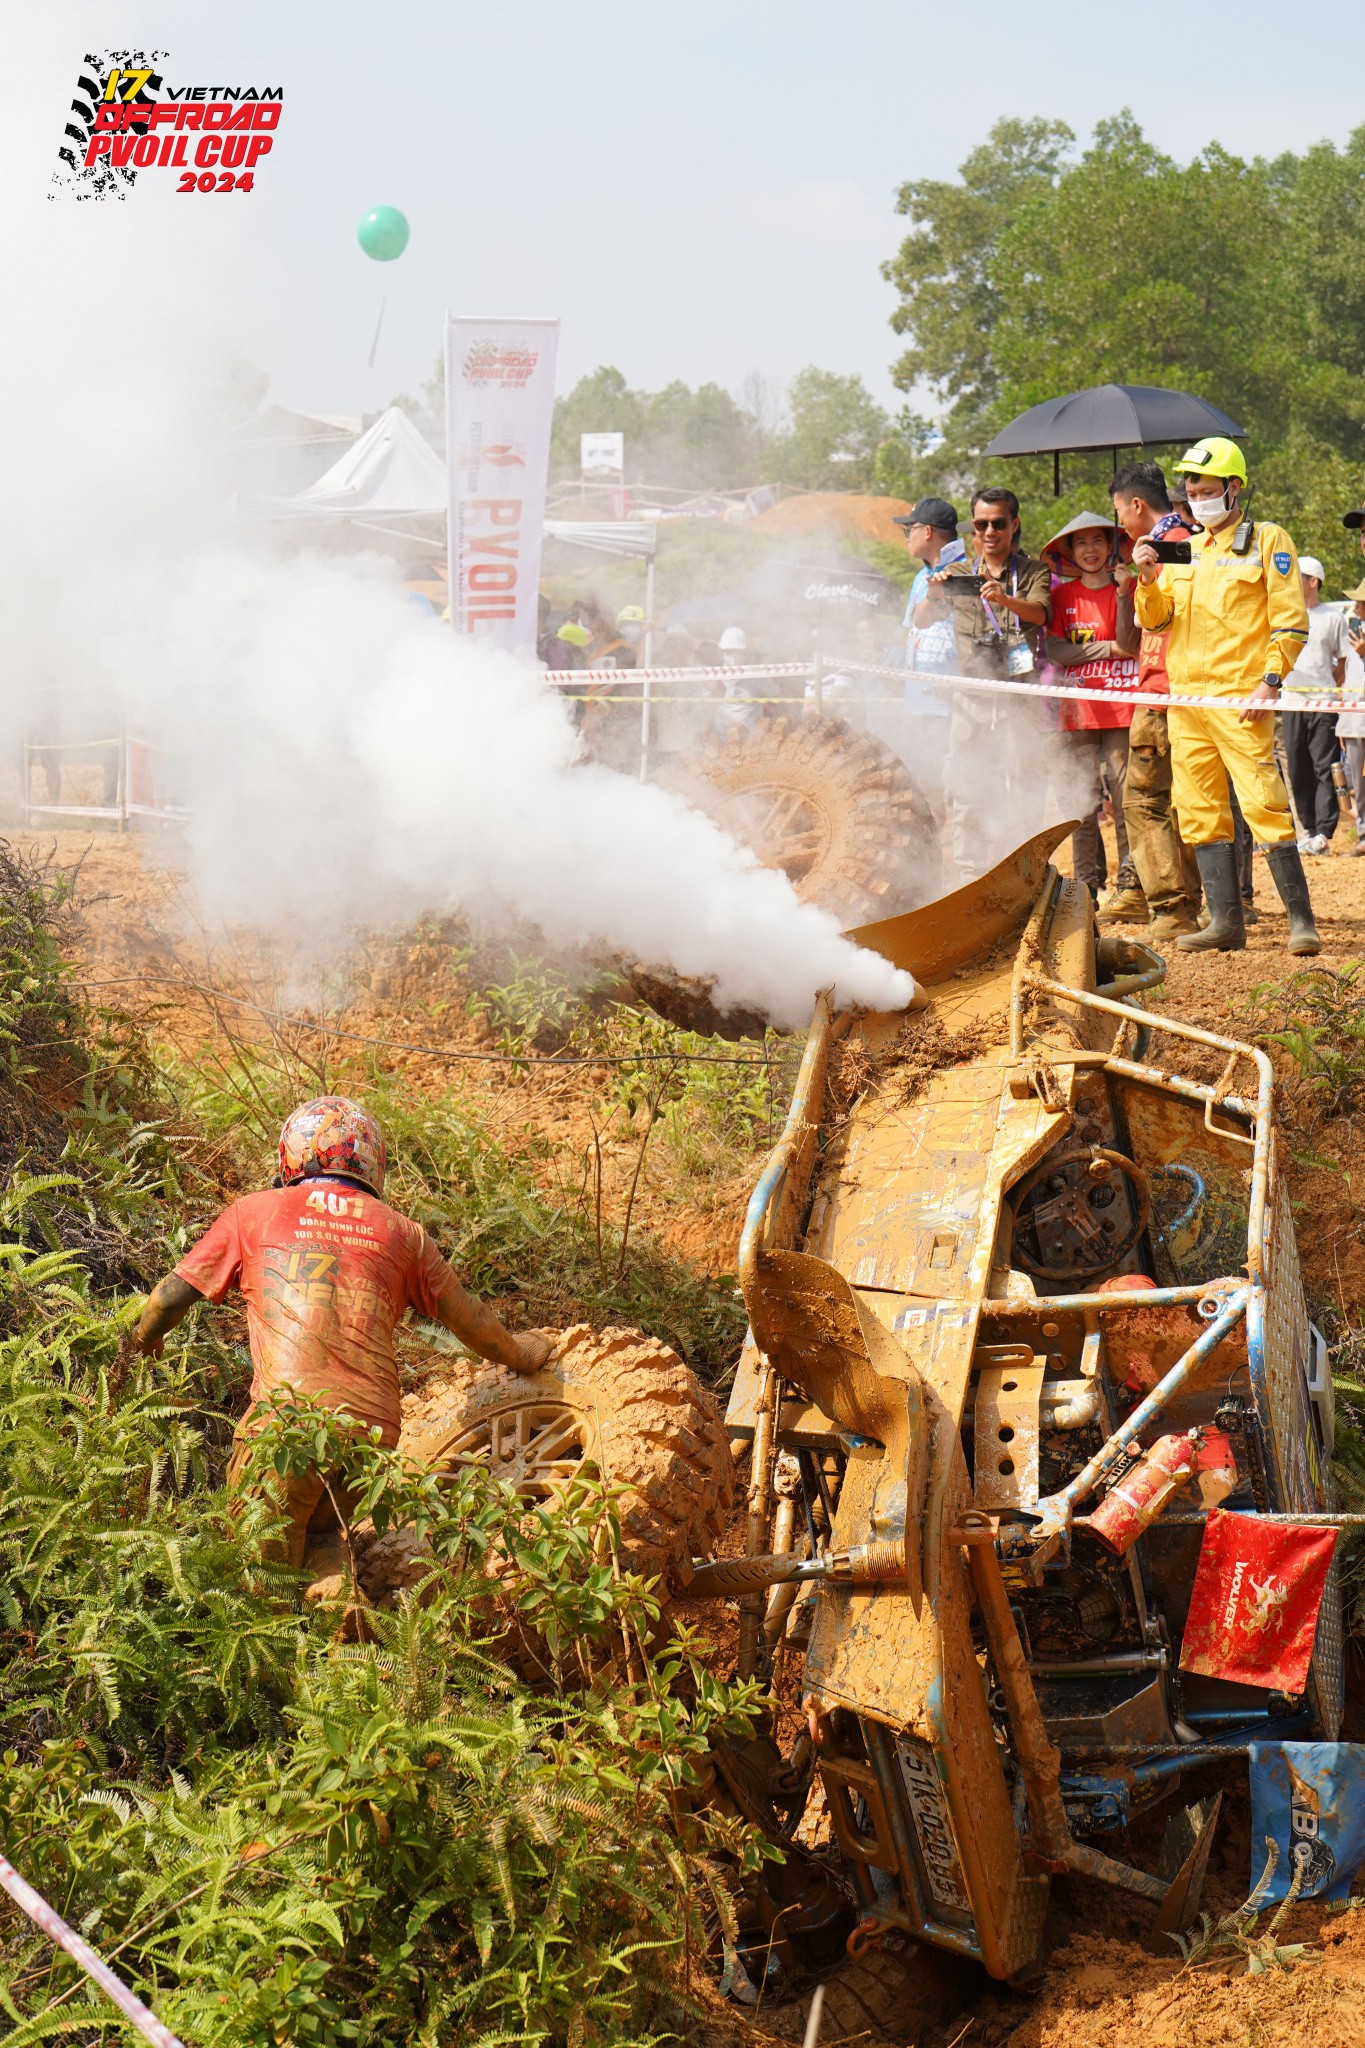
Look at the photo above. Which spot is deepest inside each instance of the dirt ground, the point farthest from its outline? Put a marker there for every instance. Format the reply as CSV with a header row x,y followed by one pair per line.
x,y
143,939
1103,1985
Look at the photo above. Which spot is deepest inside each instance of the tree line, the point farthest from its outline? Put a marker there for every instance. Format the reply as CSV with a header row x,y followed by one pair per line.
x,y
1040,268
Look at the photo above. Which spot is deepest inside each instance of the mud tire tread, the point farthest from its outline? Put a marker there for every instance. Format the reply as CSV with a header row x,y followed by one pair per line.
x,y
882,839
651,1427
895,1992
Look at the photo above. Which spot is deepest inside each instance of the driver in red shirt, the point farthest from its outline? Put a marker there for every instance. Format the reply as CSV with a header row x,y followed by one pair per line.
x,y
327,1271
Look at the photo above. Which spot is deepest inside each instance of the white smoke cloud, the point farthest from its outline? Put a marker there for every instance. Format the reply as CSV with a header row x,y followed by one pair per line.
x,y
344,760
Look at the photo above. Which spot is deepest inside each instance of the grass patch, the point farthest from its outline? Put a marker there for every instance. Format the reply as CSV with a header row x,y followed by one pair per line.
x,y
277,1838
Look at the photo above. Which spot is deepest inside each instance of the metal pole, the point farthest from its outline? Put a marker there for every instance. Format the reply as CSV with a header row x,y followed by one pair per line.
x,y
648,651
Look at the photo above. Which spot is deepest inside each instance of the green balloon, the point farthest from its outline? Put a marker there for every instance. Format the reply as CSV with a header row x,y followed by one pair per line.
x,y
383,233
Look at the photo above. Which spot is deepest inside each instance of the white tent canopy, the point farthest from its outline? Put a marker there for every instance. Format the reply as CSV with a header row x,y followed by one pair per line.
x,y
389,471
628,538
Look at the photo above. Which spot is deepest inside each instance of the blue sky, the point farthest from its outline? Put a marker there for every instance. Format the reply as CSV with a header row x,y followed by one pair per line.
x,y
696,191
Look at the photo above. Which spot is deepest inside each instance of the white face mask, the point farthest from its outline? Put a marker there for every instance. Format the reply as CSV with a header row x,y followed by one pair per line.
x,y
1211,512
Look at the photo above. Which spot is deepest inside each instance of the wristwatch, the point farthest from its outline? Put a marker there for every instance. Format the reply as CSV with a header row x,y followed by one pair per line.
x,y
1275,683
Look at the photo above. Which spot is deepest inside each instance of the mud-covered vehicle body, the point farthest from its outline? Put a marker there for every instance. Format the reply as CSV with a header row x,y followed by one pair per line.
x,y
941,1391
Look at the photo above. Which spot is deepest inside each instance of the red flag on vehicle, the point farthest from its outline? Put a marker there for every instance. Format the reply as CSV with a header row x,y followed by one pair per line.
x,y
1254,1606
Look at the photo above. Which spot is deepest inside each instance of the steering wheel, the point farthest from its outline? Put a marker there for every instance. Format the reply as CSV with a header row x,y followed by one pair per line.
x,y
1065,1202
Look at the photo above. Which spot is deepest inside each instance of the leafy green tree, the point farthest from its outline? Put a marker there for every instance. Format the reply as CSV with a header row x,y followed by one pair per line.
x,y
600,403
1183,285
1040,271
677,437
698,440
835,432
1325,203
944,269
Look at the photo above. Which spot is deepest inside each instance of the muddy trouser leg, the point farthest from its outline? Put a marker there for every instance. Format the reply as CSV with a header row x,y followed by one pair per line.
x,y
1354,751
306,1501
1158,852
1084,751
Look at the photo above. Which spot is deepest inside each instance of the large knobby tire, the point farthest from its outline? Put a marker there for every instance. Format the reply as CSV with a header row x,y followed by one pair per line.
x,y
612,1402
896,1991
831,806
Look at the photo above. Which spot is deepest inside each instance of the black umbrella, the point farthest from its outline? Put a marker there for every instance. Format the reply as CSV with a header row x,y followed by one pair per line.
x,y
1111,416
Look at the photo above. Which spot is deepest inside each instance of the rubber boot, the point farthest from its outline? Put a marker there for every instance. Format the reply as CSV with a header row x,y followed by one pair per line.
x,y
1286,869
1225,931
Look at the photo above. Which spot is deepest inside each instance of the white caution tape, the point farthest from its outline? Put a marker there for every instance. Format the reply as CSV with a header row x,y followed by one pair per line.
x,y
829,673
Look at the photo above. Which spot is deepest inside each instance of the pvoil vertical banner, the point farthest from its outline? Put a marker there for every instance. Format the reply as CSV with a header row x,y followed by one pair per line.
x,y
500,391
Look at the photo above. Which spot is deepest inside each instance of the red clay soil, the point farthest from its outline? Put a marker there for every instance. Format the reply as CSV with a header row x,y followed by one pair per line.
x,y
841,515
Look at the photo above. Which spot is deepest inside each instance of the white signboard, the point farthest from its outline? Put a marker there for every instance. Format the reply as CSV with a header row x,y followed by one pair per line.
x,y
603,455
500,389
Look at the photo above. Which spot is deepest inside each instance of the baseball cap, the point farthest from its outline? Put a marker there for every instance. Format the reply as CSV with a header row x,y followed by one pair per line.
x,y
936,512
1309,565
1356,518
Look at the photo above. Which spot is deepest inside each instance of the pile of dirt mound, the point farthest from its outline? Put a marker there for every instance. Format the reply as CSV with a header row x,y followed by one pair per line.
x,y
846,515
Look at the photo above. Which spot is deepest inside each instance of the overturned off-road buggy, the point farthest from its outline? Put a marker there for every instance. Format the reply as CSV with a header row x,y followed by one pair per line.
x,y
1025,1312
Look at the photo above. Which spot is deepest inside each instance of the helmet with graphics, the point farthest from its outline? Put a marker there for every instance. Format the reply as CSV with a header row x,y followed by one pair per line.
x,y
333,1135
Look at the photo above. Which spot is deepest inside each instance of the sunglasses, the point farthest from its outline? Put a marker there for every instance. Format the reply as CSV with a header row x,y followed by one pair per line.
x,y
992,525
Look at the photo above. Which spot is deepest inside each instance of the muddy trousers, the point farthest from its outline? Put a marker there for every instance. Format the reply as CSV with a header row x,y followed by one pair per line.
x,y
1103,756
308,1502
1310,753
1166,867
1209,750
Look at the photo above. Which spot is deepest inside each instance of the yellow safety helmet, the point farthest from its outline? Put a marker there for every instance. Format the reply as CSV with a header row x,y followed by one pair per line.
x,y
631,615
1214,456
574,634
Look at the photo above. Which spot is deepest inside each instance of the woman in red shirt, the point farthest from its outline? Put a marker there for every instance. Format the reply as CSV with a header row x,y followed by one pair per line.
x,y
1083,642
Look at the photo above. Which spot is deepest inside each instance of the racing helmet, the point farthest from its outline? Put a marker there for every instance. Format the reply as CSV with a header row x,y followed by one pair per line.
x,y
332,1134
1215,456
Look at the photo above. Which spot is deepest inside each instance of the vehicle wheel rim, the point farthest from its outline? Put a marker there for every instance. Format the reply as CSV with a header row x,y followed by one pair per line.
x,y
537,1447
784,829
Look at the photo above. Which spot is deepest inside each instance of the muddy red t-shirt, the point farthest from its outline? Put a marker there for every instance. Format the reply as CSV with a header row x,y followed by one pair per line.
x,y
1080,616
326,1272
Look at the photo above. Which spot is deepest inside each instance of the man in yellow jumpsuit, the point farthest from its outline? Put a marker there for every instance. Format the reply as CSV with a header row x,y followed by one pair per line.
x,y
1235,620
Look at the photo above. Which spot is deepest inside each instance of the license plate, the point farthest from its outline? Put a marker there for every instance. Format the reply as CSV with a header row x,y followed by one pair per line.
x,y
942,1864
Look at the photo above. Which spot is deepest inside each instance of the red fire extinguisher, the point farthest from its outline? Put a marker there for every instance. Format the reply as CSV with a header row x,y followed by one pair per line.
x,y
1142,1494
